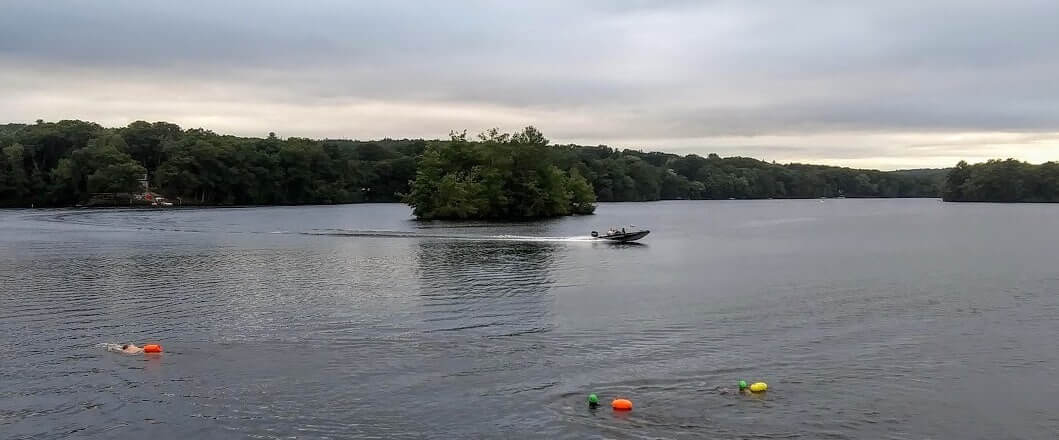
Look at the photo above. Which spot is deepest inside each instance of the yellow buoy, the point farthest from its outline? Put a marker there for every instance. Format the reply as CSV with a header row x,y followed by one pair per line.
x,y
758,387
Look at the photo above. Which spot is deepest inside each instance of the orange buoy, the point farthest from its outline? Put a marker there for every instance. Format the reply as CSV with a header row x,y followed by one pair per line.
x,y
621,404
152,348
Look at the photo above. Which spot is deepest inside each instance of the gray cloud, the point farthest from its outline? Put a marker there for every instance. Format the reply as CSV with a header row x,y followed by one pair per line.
x,y
687,76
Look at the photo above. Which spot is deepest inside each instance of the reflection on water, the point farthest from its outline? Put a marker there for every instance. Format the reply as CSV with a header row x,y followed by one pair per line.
x,y
487,288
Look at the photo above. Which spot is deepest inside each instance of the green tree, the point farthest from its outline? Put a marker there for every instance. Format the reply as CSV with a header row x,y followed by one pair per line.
x,y
121,177
102,166
17,182
145,141
582,198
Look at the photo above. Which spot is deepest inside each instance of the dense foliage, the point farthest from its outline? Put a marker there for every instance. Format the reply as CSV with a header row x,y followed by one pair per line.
x,y
64,163
637,176
501,176
1002,181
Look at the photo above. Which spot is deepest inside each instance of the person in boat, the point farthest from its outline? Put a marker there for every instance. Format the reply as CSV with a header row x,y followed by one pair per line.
x,y
622,230
131,349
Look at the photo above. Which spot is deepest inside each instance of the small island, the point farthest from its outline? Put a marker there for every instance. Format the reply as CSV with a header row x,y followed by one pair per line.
x,y
502,176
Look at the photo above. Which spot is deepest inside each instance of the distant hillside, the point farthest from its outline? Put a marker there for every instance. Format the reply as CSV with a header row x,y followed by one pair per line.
x,y
932,172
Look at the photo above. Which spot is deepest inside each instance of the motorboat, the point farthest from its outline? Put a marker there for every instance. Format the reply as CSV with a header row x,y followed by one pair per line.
x,y
621,234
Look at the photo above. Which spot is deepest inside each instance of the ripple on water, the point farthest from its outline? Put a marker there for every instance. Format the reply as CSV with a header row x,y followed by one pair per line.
x,y
432,334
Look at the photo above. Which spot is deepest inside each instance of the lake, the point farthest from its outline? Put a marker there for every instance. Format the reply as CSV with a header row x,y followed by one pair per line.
x,y
905,319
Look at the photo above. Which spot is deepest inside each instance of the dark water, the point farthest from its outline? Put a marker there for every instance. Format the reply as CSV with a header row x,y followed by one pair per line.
x,y
904,319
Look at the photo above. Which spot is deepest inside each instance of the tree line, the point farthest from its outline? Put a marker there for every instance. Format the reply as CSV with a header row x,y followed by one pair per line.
x,y
68,162
1002,181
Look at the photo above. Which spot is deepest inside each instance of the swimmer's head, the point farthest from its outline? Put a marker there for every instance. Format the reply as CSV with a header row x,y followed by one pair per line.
x,y
742,385
124,346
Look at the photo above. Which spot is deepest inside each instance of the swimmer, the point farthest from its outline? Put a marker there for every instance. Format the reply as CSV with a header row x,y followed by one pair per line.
x,y
743,388
131,349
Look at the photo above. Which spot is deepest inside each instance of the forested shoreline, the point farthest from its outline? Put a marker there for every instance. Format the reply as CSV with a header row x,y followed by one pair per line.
x,y
1002,181
69,163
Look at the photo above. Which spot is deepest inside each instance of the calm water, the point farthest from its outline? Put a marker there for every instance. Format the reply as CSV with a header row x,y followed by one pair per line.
x,y
905,319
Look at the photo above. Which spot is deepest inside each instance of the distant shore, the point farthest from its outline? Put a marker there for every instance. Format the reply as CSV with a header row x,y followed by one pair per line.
x,y
63,163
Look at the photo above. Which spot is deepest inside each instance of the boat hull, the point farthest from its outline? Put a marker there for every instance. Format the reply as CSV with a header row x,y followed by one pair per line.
x,y
626,237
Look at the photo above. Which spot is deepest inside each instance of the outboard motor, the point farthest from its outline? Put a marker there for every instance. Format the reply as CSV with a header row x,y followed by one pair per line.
x,y
595,234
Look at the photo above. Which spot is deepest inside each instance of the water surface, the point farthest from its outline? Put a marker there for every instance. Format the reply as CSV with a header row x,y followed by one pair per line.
x,y
868,318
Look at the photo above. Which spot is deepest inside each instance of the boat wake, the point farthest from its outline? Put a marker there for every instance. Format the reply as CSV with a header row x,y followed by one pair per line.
x,y
542,239
469,237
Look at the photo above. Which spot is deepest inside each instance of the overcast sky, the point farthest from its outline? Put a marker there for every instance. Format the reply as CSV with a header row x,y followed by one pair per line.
x,y
880,84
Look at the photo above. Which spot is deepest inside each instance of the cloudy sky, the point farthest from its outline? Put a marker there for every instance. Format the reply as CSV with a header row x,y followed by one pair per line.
x,y
894,84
